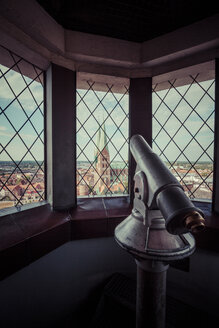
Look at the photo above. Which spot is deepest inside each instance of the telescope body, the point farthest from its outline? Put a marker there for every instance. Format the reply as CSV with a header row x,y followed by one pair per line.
x,y
156,233
163,190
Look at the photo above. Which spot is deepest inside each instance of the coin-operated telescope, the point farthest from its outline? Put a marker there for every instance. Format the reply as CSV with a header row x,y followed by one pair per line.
x,y
157,232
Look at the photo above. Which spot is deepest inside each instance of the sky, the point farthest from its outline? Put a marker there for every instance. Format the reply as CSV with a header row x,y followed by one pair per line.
x,y
118,147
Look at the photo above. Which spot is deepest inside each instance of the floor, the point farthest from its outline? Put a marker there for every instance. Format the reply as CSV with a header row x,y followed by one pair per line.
x,y
116,308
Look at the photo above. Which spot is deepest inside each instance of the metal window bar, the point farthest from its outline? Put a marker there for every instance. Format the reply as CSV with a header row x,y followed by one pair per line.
x,y
203,123
107,187
36,134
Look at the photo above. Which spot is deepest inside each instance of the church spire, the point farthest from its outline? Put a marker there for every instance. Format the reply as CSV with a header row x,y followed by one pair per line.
x,y
101,143
102,138
102,162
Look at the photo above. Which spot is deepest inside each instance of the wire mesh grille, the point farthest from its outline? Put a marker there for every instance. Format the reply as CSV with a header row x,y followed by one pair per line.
x,y
102,141
183,132
21,131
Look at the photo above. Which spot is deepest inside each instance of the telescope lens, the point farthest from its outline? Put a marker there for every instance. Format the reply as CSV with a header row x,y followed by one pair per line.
x,y
195,222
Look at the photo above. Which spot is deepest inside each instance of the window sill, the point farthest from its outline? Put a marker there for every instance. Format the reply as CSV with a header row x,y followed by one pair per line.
x,y
98,217
30,234
27,235
20,209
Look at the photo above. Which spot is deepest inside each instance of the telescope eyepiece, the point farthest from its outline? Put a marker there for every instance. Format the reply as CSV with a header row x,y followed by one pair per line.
x,y
194,222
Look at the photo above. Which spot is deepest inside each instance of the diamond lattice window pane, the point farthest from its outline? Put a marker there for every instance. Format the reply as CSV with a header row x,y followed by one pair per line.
x,y
194,94
183,132
182,138
163,138
182,111
102,140
172,125
21,131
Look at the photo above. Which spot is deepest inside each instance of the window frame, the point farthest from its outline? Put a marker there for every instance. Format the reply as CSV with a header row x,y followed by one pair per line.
x,y
187,82
140,97
95,84
25,207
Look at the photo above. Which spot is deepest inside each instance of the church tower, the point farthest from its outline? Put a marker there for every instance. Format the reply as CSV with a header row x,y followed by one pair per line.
x,y
102,160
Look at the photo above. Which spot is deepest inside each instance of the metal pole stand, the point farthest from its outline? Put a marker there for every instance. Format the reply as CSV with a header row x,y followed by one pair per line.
x,y
153,248
151,294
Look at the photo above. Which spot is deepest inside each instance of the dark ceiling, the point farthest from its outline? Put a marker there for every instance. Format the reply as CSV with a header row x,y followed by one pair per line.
x,y
132,20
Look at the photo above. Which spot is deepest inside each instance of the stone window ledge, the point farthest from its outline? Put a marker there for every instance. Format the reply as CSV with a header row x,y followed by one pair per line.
x,y
30,234
27,235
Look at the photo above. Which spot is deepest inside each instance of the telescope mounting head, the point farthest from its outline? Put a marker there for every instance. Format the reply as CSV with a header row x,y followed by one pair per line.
x,y
158,228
